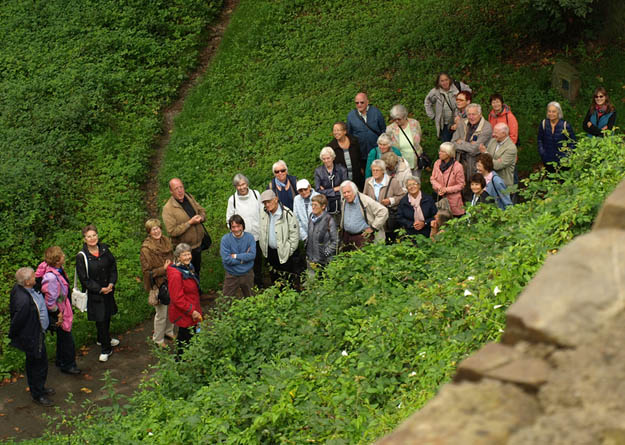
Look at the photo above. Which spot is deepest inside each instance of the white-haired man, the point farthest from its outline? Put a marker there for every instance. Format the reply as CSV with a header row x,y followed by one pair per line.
x,y
362,218
503,151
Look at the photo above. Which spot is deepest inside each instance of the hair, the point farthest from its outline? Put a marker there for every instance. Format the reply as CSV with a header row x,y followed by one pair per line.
x,y
467,95
486,160
558,107
342,124
23,274
350,184
379,163
53,255
412,178
503,126
151,223
240,177
279,163
438,79
384,139
327,151
449,148
390,159
236,219
496,96
608,102
443,216
477,178
88,228
474,105
399,112
321,199
180,249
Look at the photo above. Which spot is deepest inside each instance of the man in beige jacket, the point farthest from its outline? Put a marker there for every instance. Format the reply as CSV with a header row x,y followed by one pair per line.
x,y
362,218
183,218
504,153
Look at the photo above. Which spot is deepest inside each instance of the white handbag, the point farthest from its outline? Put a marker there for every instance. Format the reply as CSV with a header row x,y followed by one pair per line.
x,y
79,298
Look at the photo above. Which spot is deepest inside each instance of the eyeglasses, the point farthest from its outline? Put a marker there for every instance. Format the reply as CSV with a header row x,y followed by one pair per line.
x,y
280,171
599,96
360,102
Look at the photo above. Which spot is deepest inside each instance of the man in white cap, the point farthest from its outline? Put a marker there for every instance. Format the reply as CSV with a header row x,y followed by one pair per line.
x,y
279,238
302,206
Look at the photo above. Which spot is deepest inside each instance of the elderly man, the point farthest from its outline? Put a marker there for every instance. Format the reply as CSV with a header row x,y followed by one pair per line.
x,y
362,218
365,123
183,218
238,250
467,139
246,202
503,151
302,206
279,238
29,321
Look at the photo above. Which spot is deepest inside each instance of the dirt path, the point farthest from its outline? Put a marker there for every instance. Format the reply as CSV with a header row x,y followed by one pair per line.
x,y
130,363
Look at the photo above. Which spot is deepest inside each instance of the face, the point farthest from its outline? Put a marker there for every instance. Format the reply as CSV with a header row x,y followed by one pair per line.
x,y
361,102
443,156
280,173
552,113
271,205
480,168
384,148
600,98
377,173
185,258
499,134
473,115
348,194
91,238
156,232
236,229
317,208
242,188
497,105
177,189
476,187
304,193
413,187
462,102
327,160
444,82
401,122
338,131
30,282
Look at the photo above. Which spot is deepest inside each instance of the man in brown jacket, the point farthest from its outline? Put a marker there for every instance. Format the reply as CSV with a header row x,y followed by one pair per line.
x,y
183,218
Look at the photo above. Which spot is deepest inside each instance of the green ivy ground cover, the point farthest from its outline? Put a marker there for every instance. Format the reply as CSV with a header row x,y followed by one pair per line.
x,y
355,353
81,84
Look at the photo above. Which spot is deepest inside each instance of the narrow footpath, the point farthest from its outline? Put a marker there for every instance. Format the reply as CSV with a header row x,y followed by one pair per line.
x,y
131,361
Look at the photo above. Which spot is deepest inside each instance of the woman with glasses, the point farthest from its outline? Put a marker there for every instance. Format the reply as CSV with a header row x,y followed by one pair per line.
x,y
440,104
405,134
601,115
283,184
463,99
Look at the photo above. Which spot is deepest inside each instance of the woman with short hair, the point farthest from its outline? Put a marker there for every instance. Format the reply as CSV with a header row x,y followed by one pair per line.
x,y
384,146
328,179
323,238
601,115
448,178
387,191
347,151
405,134
495,186
156,256
555,137
463,100
440,104
283,184
416,210
501,113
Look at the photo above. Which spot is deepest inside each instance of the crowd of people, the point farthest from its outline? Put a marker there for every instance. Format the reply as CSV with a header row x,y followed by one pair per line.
x,y
366,188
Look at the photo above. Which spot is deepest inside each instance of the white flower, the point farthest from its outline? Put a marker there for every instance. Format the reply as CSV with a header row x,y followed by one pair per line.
x,y
344,353
422,354
413,373
150,433
496,290
471,278
497,306
467,292
399,405
411,314
501,331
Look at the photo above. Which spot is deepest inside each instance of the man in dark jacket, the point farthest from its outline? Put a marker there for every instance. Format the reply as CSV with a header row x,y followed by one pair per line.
x,y
365,123
29,321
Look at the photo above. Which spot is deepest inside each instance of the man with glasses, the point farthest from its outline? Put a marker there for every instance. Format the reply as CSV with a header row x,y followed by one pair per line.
x,y
365,123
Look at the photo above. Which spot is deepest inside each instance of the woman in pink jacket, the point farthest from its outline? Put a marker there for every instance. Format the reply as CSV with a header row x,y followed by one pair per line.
x,y
448,178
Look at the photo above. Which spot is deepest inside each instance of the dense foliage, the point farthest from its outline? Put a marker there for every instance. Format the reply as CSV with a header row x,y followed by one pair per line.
x,y
81,84
357,351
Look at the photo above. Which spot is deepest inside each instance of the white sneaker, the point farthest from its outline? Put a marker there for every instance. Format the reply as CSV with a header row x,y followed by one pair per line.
x,y
114,342
104,357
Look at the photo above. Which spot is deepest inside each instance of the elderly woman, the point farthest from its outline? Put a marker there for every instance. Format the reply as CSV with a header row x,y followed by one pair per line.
x,y
55,288
440,104
501,113
323,238
387,191
463,99
448,178
156,256
97,271
184,290
406,135
416,210
397,167
601,115
328,179
246,203
555,135
384,146
495,187
283,184
347,151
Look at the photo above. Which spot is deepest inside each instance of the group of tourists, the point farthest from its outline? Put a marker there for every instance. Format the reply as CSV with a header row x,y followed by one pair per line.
x,y
366,188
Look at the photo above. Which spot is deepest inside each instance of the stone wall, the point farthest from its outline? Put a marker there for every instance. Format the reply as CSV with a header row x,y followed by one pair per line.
x,y
558,375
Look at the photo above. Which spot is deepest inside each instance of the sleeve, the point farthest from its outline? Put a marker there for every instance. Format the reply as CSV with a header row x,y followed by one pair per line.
x,y
501,192
540,139
395,192
319,183
429,211
436,177
370,159
569,128
593,129
294,231
225,251
19,311
405,214
174,228
85,281
230,208
199,209
612,120
513,125
417,136
380,122
350,128
333,243
250,253
468,147
112,269
50,288
146,257
380,215
176,292
427,103
300,214
507,159
465,87
456,184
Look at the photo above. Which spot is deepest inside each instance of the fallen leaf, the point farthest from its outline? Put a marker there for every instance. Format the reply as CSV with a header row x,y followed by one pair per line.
x,y
87,376
85,390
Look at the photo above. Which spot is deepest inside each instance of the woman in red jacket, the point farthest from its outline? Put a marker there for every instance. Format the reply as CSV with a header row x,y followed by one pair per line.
x,y
184,292
500,112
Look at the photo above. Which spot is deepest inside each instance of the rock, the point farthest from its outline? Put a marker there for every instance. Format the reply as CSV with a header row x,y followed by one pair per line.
x,y
572,297
612,213
530,373
489,357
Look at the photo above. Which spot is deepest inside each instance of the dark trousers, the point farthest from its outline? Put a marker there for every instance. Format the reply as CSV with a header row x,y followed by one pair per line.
x,y
233,283
104,335
445,134
196,259
258,267
65,350
37,372
354,242
182,340
289,271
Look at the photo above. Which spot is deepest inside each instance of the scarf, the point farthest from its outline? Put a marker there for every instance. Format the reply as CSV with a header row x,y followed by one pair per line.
x,y
416,205
281,184
445,165
601,110
161,247
188,272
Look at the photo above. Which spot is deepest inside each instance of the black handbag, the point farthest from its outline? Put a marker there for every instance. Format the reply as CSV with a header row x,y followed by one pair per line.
x,y
423,161
207,241
163,294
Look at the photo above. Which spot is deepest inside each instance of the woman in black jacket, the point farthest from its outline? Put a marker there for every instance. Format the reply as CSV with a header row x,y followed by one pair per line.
x,y
99,278
416,210
347,152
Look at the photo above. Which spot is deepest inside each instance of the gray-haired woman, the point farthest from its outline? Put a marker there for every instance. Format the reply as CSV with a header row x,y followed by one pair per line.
x,y
405,134
384,146
328,178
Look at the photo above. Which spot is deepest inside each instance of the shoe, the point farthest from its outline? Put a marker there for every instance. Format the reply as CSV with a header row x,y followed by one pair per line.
x,y
73,371
43,401
49,392
114,342
104,357
162,344
170,337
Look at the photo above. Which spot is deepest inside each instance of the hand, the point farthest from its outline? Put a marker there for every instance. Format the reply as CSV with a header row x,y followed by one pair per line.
x,y
196,316
195,220
453,127
418,225
589,124
59,320
233,255
434,225
368,230
321,187
605,128
167,263
482,148
442,191
386,202
458,141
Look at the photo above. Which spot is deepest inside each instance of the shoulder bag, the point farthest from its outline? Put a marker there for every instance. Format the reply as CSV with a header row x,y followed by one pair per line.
x,y
423,161
443,203
79,298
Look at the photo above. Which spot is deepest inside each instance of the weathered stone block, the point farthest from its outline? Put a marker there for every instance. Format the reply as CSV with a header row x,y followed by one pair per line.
x,y
566,80
491,356
612,213
530,373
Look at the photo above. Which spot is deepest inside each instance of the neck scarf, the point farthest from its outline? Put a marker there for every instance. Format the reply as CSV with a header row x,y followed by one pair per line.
x,y
445,165
416,205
